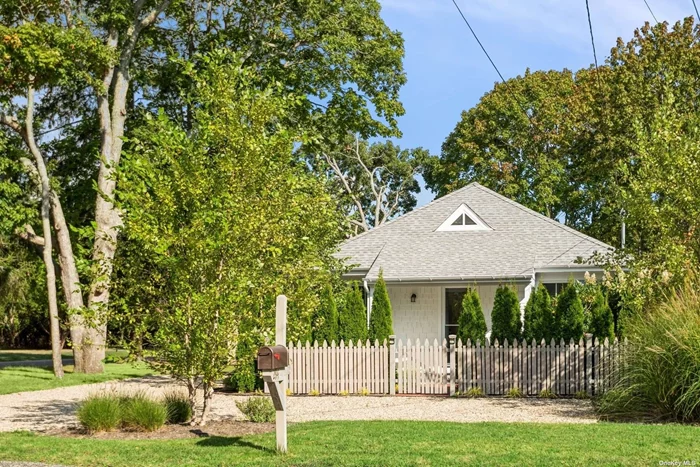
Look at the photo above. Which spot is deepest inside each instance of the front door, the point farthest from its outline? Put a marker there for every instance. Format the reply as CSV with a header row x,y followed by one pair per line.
x,y
453,307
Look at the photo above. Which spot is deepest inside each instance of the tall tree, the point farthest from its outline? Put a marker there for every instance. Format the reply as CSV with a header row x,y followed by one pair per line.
x,y
340,59
569,314
380,319
471,321
352,322
505,317
325,321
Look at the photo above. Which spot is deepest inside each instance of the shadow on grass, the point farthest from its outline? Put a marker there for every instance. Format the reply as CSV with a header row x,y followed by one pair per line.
x,y
225,441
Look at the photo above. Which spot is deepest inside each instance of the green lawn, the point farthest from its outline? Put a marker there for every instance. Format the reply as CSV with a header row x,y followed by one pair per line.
x,y
381,443
20,355
21,379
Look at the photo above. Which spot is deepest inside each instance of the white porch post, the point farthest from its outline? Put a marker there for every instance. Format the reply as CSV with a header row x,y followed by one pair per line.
x,y
370,299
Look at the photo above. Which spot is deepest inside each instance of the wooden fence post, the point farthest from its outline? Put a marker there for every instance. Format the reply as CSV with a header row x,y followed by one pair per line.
x,y
453,364
392,365
589,364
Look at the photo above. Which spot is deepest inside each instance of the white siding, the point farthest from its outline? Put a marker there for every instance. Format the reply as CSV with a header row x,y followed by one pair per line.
x,y
425,319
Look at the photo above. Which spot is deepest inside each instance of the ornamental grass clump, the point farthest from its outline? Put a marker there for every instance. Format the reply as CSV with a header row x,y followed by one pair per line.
x,y
177,406
140,413
659,378
257,409
100,412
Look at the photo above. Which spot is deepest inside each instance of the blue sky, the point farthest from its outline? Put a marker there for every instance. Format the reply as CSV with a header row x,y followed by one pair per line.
x,y
448,73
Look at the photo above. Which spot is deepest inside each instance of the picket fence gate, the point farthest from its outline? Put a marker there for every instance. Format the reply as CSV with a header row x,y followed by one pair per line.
x,y
393,367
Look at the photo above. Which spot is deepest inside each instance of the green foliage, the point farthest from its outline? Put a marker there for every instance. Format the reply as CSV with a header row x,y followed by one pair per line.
x,y
244,377
474,393
514,393
229,222
380,320
539,320
547,394
472,324
325,321
505,317
177,406
569,314
257,409
581,395
141,413
100,413
602,323
661,362
353,316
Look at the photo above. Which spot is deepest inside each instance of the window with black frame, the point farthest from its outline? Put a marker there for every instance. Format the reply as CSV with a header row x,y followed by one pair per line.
x,y
453,307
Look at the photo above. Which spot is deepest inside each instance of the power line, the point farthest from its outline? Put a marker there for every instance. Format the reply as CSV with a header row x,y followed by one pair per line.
x,y
590,28
697,15
652,13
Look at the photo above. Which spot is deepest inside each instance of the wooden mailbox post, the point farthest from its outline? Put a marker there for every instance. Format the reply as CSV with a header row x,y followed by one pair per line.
x,y
273,363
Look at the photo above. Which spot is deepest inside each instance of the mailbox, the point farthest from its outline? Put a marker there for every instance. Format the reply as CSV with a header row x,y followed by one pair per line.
x,y
272,358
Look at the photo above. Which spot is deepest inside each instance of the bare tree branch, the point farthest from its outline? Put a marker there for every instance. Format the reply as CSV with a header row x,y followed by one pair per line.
x,y
27,233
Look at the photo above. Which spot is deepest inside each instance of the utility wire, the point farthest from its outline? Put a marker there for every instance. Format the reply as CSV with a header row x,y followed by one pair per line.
x,y
590,28
652,13
697,15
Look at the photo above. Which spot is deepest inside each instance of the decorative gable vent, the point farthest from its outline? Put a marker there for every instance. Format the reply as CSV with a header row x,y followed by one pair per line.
x,y
463,219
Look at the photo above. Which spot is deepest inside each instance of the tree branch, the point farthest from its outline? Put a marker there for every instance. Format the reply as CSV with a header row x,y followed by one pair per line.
x,y
27,233
336,168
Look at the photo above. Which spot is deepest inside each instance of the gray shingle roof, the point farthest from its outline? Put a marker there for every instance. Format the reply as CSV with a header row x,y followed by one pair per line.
x,y
410,248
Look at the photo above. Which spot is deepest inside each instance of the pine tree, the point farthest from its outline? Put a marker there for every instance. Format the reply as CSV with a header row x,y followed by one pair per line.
x,y
532,320
352,325
505,318
472,324
539,316
569,315
380,321
326,318
602,322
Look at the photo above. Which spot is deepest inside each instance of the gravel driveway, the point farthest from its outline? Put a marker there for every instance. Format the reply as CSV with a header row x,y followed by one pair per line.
x,y
55,408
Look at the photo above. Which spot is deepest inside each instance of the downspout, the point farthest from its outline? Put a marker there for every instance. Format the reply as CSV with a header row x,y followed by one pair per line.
x,y
368,306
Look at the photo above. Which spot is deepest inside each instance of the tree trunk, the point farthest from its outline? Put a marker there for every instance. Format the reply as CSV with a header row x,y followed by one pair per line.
x,y
48,246
208,393
192,394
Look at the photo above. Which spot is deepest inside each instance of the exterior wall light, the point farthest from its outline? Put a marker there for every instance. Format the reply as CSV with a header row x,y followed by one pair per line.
x,y
413,298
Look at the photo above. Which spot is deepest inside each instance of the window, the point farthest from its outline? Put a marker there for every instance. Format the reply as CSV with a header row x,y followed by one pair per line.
x,y
463,219
453,307
555,288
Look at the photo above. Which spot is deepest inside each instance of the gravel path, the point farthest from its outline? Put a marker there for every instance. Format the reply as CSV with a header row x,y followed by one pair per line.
x,y
55,408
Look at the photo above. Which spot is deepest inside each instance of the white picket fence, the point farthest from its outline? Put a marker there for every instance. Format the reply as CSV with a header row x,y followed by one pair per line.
x,y
423,368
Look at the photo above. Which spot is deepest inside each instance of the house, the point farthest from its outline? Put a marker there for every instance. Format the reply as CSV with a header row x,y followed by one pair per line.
x,y
472,237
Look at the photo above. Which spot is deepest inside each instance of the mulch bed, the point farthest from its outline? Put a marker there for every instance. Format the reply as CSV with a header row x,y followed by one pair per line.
x,y
228,428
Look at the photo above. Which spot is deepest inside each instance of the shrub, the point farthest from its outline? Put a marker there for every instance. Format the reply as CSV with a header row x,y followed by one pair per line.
x,y
101,412
314,392
514,393
505,318
569,315
474,392
380,322
472,324
581,395
143,414
289,392
326,318
602,322
364,392
661,362
352,325
257,409
539,316
177,406
547,394
244,377
345,393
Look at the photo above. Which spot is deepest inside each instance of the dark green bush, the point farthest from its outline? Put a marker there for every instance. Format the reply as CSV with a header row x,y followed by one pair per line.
x,y
325,321
471,322
352,325
380,320
539,316
244,377
659,378
143,414
505,318
101,412
569,315
602,321
177,406
257,409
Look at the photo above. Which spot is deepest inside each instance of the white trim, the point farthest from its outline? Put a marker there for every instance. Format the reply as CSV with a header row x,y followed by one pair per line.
x,y
463,209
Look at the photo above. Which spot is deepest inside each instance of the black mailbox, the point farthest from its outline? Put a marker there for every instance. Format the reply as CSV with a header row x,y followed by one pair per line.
x,y
271,358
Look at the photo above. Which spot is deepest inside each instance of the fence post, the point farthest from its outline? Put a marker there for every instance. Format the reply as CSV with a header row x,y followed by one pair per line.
x,y
589,364
392,365
453,364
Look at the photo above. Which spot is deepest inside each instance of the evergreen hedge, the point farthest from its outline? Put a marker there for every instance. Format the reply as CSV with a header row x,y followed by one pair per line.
x,y
352,325
539,320
380,321
505,318
602,322
472,324
569,315
326,318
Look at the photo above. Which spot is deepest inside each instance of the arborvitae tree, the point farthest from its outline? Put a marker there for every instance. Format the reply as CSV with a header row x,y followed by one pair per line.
x,y
380,322
472,324
569,315
325,323
602,322
539,316
352,325
505,318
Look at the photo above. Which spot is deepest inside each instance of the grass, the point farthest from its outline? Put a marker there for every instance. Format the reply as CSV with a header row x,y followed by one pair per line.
x,y
33,355
22,379
381,443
